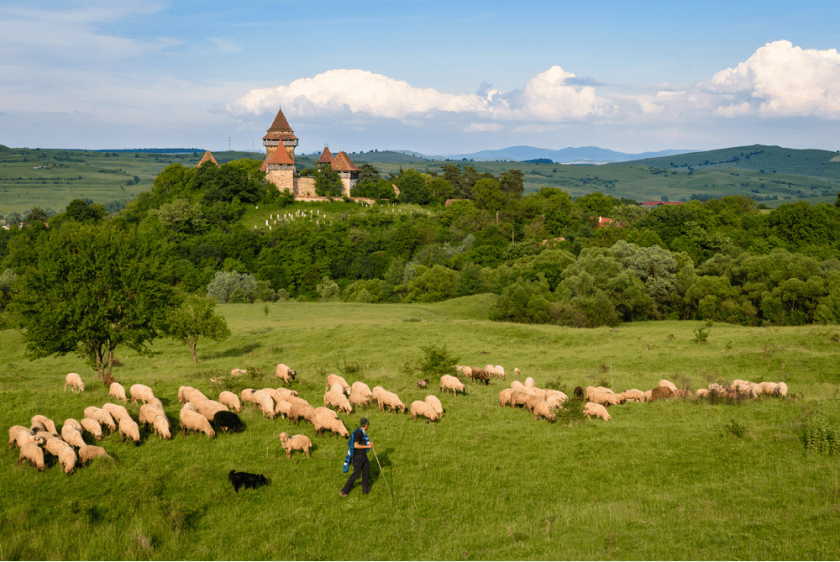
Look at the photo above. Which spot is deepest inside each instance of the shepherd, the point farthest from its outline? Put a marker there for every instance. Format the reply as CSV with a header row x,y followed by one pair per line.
x,y
360,443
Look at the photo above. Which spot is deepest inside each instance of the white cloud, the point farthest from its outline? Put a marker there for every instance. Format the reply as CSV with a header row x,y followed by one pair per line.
x,y
483,127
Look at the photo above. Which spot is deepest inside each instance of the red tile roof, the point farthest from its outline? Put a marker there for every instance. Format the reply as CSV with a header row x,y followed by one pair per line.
x,y
326,156
342,163
280,129
280,156
208,157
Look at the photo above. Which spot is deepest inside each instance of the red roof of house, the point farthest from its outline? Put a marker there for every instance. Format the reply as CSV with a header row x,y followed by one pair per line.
x,y
326,157
280,129
342,163
280,156
208,157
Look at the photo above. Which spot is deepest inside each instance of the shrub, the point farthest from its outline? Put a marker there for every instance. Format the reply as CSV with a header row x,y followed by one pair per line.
x,y
571,412
818,436
225,283
437,361
328,289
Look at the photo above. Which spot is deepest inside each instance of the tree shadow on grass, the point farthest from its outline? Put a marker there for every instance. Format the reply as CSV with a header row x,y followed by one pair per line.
x,y
232,352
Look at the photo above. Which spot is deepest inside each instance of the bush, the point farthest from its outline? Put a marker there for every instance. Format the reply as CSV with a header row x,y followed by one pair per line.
x,y
328,289
226,283
571,412
437,361
818,436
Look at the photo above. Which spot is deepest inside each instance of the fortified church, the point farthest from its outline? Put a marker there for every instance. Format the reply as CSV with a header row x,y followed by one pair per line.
x,y
279,165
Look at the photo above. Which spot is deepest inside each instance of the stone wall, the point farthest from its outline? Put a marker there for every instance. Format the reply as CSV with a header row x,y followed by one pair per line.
x,y
283,179
305,187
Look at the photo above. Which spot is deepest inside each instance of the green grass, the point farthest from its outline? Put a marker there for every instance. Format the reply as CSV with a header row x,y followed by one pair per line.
x,y
666,480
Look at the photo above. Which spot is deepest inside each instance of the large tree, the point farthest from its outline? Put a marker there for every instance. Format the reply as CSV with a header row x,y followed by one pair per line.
x,y
91,289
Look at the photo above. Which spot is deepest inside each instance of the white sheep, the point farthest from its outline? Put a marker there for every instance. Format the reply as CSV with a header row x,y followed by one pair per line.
x,y
358,399
669,384
26,437
490,370
518,398
285,372
275,396
74,381
155,402
448,382
54,445
463,370
141,392
519,387
195,396
72,436
374,394
336,399
702,392
301,410
605,398
297,442
209,408
238,372
161,427
324,410
13,432
264,403
231,400
419,408
591,409
48,423
34,454
633,394
282,407
193,421
74,424
117,392
117,412
148,413
529,382
541,408
390,400
182,393
89,452
554,402
330,423
516,371
333,379
339,388
247,395
130,429
782,389
559,394
92,426
361,388
505,396
286,393
500,372
67,459
434,402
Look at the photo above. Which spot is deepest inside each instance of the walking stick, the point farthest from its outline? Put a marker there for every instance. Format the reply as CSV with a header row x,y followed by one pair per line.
x,y
383,474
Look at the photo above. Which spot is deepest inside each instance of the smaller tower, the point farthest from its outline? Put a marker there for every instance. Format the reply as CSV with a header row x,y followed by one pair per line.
x,y
347,171
208,157
326,158
280,169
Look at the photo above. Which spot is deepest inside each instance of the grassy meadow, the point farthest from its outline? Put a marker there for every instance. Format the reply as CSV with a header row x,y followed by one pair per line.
x,y
673,479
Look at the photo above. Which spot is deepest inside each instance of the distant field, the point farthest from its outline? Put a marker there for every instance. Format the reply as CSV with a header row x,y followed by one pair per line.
x,y
676,479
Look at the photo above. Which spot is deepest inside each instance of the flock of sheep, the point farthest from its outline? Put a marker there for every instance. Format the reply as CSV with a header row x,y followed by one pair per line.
x,y
200,414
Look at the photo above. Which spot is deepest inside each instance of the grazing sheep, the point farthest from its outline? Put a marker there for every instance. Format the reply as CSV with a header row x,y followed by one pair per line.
x,y
227,421
195,396
516,371
298,442
539,393
390,400
605,398
237,372
117,412
554,402
557,394
195,422
480,376
72,436
529,382
463,370
130,429
326,422
264,403
333,379
782,389
490,370
74,424
434,402
27,437
161,426
155,402
423,383
768,388
531,402
424,409
13,432
282,408
500,372
505,396
34,454
275,396
67,459
541,408
660,392
519,387
518,398
634,395
92,426
89,452
596,410
336,399
182,393
298,411
48,423
74,381
231,400
296,400
286,393
209,408
148,413
285,372
374,394
448,382
668,384
360,388
247,395
324,410
578,394
702,392
54,445
117,392
358,399
141,392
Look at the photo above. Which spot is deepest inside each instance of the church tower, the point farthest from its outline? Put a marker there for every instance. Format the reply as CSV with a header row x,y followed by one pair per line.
x,y
279,134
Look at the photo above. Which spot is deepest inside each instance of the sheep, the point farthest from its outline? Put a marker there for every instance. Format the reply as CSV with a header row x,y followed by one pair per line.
x,y
337,400
116,411
324,410
67,459
275,396
298,411
531,402
117,392
500,372
72,436
34,454
155,402
284,372
554,402
333,379
374,394
648,395
92,426
768,388
518,398
516,371
193,421
539,393
423,383
38,426
161,427
283,408
358,399
541,408
448,382
48,423
480,375
54,446
247,395
557,394
227,421
298,442
518,386
286,393
605,398
74,381
463,370
782,389
264,403
27,437
419,408
591,409
504,397
633,394
702,392
529,382
130,429
390,400
231,400
330,423
194,396
490,370
434,402
209,408
89,452
237,372
660,392
13,432
296,400
74,424
182,393
148,414
141,392
669,384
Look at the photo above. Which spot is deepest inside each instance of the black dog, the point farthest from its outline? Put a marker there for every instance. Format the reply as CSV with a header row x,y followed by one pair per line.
x,y
228,421
239,479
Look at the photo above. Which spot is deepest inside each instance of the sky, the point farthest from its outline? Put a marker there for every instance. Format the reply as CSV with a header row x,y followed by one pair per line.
x,y
433,76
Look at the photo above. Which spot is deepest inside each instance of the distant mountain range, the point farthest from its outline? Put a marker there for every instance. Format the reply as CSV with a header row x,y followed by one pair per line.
x,y
580,155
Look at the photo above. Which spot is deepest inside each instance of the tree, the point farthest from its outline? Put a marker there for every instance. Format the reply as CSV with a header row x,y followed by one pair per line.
x,y
195,319
412,187
36,214
328,183
512,183
91,289
368,173
84,210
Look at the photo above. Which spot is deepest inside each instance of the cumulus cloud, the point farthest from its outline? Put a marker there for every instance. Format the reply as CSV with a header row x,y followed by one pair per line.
x,y
546,97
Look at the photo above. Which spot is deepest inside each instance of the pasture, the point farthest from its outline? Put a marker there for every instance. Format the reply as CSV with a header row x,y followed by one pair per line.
x,y
672,479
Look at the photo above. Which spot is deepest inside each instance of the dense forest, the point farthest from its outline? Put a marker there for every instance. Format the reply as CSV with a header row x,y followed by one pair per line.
x,y
550,258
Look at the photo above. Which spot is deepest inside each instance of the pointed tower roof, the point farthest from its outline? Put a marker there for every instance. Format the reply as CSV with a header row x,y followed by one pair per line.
x,y
326,156
280,129
342,163
208,157
280,156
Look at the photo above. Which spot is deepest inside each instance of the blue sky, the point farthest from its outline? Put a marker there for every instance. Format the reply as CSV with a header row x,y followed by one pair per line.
x,y
439,77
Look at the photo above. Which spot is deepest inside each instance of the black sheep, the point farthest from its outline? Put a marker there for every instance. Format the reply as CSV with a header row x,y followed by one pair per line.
x,y
239,479
227,421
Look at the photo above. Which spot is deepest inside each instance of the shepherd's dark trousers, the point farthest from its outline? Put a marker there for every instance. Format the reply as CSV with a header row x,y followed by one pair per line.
x,y
361,465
